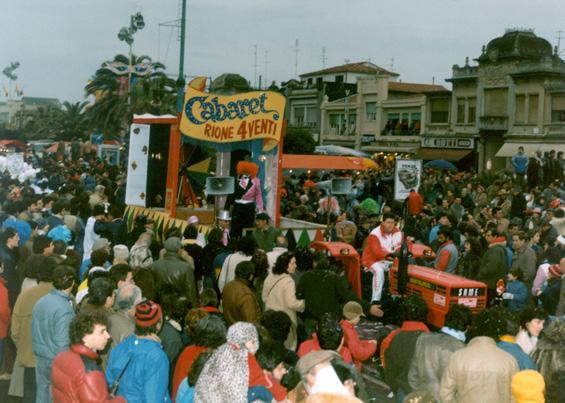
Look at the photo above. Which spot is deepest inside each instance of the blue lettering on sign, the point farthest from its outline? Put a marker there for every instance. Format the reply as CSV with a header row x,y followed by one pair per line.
x,y
215,111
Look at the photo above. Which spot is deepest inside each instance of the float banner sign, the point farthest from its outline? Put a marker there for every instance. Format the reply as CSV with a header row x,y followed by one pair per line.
x,y
224,119
407,176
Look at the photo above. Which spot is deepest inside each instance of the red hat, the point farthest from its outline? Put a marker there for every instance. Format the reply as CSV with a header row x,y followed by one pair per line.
x,y
555,271
147,313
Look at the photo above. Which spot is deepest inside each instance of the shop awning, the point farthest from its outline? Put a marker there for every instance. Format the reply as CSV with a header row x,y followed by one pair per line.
x,y
442,154
298,161
511,148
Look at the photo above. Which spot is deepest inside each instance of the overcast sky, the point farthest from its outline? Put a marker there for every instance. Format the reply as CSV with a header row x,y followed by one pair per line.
x,y
61,43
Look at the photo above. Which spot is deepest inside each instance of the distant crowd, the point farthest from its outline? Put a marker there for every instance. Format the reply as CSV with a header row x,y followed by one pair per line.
x,y
93,310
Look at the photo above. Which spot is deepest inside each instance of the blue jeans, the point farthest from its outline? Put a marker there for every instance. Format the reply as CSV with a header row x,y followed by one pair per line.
x,y
43,379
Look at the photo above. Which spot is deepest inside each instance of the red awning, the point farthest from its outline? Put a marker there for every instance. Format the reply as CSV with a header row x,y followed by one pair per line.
x,y
298,161
13,143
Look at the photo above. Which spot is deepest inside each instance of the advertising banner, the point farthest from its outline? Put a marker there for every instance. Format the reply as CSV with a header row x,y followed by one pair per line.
x,y
407,176
230,118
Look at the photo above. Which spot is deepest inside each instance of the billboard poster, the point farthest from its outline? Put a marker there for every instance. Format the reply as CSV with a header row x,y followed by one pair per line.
x,y
407,176
230,118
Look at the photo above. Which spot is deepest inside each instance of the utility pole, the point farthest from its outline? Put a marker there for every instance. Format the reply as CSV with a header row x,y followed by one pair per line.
x,y
180,80
255,66
324,58
266,69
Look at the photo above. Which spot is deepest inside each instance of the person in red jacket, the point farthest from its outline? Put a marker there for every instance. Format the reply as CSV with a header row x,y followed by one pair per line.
x,y
75,376
361,350
378,256
415,202
210,332
414,312
329,336
5,313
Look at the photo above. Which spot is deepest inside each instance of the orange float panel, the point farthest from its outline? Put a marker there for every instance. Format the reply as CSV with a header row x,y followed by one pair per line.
x,y
441,290
346,254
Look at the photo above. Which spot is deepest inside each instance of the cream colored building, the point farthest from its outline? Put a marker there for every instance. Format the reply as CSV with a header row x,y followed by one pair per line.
x,y
514,97
384,116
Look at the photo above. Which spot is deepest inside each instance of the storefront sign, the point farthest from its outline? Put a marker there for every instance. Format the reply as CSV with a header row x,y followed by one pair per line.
x,y
445,142
406,177
241,117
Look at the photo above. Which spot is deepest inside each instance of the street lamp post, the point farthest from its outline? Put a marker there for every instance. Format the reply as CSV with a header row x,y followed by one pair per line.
x,y
126,35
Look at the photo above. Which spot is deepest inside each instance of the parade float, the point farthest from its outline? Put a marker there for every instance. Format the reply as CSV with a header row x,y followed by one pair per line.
x,y
171,176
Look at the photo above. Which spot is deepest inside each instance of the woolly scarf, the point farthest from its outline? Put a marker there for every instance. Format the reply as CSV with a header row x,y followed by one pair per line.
x,y
225,377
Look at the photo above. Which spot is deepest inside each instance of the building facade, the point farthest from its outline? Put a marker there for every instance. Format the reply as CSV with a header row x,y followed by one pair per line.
x,y
385,116
15,113
306,96
514,96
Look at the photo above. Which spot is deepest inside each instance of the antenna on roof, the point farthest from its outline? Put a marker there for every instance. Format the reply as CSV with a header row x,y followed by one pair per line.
x,y
324,58
296,50
391,65
346,61
559,37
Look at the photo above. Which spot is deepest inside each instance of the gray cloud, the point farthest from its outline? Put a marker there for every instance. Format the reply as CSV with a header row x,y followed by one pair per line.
x,y
60,43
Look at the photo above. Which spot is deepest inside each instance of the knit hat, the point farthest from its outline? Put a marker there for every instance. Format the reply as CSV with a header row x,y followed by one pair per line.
x,y
528,387
147,313
555,271
172,244
241,332
352,310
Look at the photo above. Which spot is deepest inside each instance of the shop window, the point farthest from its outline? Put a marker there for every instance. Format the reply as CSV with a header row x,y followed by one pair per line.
x,y
339,79
309,81
371,110
439,111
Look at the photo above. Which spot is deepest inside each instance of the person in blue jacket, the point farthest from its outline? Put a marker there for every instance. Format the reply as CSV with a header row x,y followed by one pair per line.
x,y
510,326
516,293
138,366
520,163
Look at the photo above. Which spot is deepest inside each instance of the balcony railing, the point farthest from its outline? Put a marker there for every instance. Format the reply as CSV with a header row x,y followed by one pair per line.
x,y
493,123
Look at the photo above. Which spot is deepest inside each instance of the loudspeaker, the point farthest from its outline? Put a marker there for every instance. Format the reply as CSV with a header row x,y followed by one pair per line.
x,y
220,185
341,186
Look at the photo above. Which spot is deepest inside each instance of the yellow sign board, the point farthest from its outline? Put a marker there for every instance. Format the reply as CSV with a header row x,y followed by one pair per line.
x,y
223,119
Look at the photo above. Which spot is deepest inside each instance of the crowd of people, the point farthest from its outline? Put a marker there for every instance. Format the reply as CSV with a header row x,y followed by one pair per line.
x,y
94,310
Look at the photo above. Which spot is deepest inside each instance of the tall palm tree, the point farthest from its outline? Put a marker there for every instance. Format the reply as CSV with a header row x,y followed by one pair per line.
x,y
59,124
150,93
